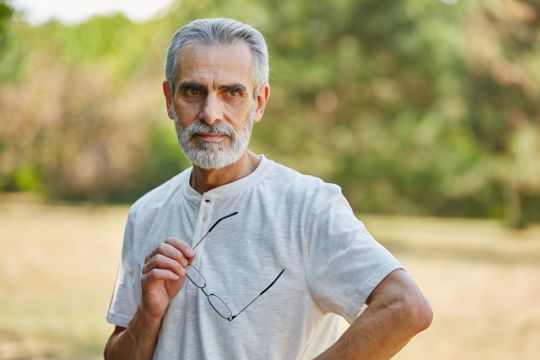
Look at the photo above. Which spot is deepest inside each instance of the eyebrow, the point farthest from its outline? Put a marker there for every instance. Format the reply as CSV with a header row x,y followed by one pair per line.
x,y
238,87
193,85
189,86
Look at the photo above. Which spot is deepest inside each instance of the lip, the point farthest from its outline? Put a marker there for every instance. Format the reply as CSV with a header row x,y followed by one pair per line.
x,y
212,137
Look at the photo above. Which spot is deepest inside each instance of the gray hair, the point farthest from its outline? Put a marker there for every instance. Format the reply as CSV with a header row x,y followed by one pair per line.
x,y
218,32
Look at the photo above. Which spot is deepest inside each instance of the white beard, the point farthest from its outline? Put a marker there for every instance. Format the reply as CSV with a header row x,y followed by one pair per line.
x,y
209,155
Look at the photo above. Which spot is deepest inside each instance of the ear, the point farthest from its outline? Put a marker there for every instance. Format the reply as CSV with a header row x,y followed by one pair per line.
x,y
168,100
262,99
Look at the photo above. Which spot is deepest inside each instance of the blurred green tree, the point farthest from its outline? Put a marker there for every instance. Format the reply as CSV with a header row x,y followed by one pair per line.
x,y
412,107
6,11
503,115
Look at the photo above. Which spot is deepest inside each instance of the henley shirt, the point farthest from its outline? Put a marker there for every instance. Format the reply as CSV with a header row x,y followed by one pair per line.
x,y
285,220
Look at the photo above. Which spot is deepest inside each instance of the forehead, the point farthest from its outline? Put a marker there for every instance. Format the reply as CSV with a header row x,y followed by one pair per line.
x,y
215,64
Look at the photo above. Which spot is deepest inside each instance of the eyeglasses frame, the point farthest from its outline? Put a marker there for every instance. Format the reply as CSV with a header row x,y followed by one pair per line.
x,y
232,317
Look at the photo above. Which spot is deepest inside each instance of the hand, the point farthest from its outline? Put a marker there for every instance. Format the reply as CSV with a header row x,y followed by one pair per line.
x,y
163,276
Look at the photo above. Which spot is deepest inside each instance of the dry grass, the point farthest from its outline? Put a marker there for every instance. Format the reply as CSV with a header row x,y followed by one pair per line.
x,y
58,263
57,269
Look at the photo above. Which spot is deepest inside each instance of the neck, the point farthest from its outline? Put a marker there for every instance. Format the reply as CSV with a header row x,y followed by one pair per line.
x,y
203,180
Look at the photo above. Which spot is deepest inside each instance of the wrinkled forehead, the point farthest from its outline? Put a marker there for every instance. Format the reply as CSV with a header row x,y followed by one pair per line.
x,y
223,62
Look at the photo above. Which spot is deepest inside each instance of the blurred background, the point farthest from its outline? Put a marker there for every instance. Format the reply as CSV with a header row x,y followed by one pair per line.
x,y
426,113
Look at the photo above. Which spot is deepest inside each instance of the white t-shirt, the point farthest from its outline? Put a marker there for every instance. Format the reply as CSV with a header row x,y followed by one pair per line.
x,y
285,220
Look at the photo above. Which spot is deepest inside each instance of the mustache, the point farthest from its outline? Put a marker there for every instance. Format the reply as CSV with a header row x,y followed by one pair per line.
x,y
200,127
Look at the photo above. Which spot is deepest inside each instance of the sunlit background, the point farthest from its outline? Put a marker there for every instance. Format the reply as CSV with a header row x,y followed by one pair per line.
x,y
426,113
76,11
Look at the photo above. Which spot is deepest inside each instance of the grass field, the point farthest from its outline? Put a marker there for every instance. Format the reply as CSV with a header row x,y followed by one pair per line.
x,y
58,264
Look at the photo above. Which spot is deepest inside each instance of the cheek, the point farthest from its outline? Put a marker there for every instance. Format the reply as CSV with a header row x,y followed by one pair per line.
x,y
238,112
186,114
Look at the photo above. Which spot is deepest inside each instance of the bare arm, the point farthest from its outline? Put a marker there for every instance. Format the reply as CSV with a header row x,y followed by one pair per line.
x,y
396,312
137,341
163,276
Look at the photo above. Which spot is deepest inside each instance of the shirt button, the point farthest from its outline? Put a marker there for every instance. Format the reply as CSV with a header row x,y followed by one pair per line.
x,y
207,201
204,218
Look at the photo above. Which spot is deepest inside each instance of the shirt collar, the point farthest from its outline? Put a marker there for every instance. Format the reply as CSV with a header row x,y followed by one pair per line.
x,y
227,190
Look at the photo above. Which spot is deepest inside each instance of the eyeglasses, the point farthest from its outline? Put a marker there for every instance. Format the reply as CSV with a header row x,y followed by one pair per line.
x,y
195,276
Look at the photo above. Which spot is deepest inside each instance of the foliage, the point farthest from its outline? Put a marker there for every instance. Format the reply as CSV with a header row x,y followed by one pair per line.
x,y
5,14
412,107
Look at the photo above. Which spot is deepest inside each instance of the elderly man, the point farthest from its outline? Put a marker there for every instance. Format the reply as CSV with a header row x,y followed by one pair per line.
x,y
239,257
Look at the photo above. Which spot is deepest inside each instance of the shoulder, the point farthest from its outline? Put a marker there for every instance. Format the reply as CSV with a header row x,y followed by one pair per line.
x,y
292,183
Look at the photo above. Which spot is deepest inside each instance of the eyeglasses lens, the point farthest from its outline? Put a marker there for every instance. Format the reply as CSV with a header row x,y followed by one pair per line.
x,y
196,277
219,306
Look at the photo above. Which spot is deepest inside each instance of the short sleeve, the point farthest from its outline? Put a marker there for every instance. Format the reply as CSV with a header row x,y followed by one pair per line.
x,y
344,262
126,294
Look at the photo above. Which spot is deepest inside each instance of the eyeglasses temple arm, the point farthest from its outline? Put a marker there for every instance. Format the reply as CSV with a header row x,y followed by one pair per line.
x,y
213,226
262,292
272,283
221,219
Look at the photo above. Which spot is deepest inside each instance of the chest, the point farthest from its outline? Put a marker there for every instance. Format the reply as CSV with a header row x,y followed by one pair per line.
x,y
238,245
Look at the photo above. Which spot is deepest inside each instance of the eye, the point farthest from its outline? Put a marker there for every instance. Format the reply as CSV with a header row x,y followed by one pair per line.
x,y
194,92
233,92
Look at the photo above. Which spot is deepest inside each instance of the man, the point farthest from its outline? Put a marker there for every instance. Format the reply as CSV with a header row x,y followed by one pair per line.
x,y
239,257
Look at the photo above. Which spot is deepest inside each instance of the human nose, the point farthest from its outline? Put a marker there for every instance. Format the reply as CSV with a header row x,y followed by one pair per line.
x,y
211,111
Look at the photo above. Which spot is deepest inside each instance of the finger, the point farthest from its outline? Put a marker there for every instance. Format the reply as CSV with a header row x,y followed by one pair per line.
x,y
168,251
163,262
157,275
182,246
